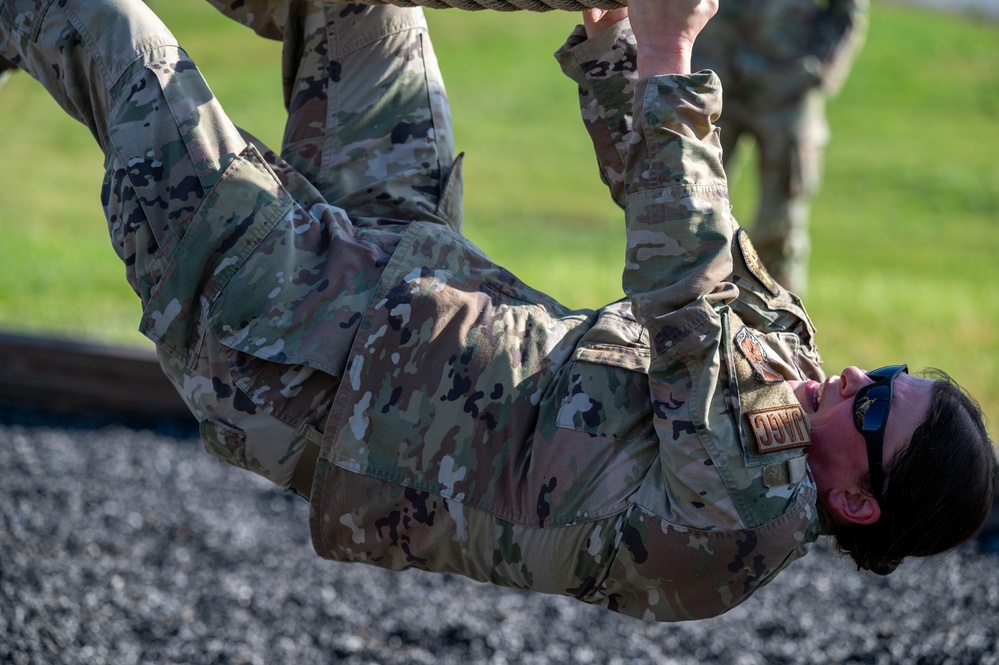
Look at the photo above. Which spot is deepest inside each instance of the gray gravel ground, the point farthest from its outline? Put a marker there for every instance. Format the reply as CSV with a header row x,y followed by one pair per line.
x,y
129,545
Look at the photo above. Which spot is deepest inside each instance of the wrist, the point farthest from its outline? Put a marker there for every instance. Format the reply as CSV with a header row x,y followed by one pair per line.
x,y
656,60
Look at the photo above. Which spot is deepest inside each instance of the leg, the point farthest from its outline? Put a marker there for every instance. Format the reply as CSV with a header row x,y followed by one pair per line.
x,y
791,143
368,118
114,66
369,122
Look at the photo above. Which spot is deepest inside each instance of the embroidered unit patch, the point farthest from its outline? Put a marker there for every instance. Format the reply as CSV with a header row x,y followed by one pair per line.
x,y
752,349
779,428
755,265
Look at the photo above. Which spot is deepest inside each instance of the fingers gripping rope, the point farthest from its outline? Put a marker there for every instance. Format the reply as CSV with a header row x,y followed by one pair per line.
x,y
505,5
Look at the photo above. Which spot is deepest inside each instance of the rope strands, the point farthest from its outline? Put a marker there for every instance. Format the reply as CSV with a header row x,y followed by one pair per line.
x,y
505,5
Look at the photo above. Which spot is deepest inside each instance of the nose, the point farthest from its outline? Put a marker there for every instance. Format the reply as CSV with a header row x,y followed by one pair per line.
x,y
852,379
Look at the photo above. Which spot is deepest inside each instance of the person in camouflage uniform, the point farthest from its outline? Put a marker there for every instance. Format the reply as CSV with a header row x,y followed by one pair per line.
x,y
321,314
779,61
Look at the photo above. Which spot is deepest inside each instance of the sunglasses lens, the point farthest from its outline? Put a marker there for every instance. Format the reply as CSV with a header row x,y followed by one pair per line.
x,y
872,418
870,414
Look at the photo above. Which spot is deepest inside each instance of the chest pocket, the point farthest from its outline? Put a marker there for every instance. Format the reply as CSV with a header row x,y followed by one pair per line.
x,y
603,443
773,426
606,390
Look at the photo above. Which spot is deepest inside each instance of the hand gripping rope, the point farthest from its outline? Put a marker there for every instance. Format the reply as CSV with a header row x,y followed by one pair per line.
x,y
506,5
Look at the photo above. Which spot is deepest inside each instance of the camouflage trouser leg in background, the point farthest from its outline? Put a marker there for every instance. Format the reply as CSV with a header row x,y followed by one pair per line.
x,y
790,140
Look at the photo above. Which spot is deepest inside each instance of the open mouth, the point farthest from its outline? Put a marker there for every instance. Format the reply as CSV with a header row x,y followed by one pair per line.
x,y
817,391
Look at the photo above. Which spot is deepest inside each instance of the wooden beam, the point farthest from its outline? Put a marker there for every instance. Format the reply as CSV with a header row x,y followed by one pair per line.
x,y
65,375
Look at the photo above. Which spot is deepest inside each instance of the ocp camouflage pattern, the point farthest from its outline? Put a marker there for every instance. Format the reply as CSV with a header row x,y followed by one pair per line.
x,y
465,421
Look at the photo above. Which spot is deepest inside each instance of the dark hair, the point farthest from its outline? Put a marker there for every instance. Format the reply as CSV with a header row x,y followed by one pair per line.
x,y
939,489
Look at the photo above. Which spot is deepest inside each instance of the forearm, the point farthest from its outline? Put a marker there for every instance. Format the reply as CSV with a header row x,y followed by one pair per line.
x,y
603,67
677,213
602,57
661,129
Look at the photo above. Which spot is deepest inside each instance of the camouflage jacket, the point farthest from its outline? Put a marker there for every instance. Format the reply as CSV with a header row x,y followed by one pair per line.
x,y
647,457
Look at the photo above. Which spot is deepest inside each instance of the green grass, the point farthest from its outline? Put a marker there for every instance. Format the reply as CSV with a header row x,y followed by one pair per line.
x,y
905,230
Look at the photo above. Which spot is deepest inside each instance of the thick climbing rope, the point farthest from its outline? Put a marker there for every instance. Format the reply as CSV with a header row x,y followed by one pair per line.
x,y
506,5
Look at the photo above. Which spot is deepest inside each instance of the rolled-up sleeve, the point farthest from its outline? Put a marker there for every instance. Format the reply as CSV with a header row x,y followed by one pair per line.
x,y
604,69
679,229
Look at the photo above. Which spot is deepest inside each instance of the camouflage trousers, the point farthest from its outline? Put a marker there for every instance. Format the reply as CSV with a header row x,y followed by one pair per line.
x,y
368,131
790,140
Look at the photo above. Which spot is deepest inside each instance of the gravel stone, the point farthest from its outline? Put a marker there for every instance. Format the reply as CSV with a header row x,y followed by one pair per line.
x,y
126,543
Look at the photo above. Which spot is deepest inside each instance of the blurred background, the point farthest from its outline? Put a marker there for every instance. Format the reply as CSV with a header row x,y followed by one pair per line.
x,y
904,231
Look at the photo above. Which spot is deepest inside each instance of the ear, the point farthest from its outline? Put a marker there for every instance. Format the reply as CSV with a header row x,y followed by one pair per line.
x,y
853,507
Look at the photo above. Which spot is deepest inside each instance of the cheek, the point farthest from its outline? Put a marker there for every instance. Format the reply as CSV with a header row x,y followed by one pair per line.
x,y
836,421
822,428
833,432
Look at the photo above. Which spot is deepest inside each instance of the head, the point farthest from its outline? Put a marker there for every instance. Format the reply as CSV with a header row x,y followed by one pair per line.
x,y
938,472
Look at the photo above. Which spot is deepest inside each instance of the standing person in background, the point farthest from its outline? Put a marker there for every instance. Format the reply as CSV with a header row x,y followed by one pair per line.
x,y
779,61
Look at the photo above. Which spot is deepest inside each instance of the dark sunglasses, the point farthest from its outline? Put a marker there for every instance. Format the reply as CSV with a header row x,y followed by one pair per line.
x,y
870,415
